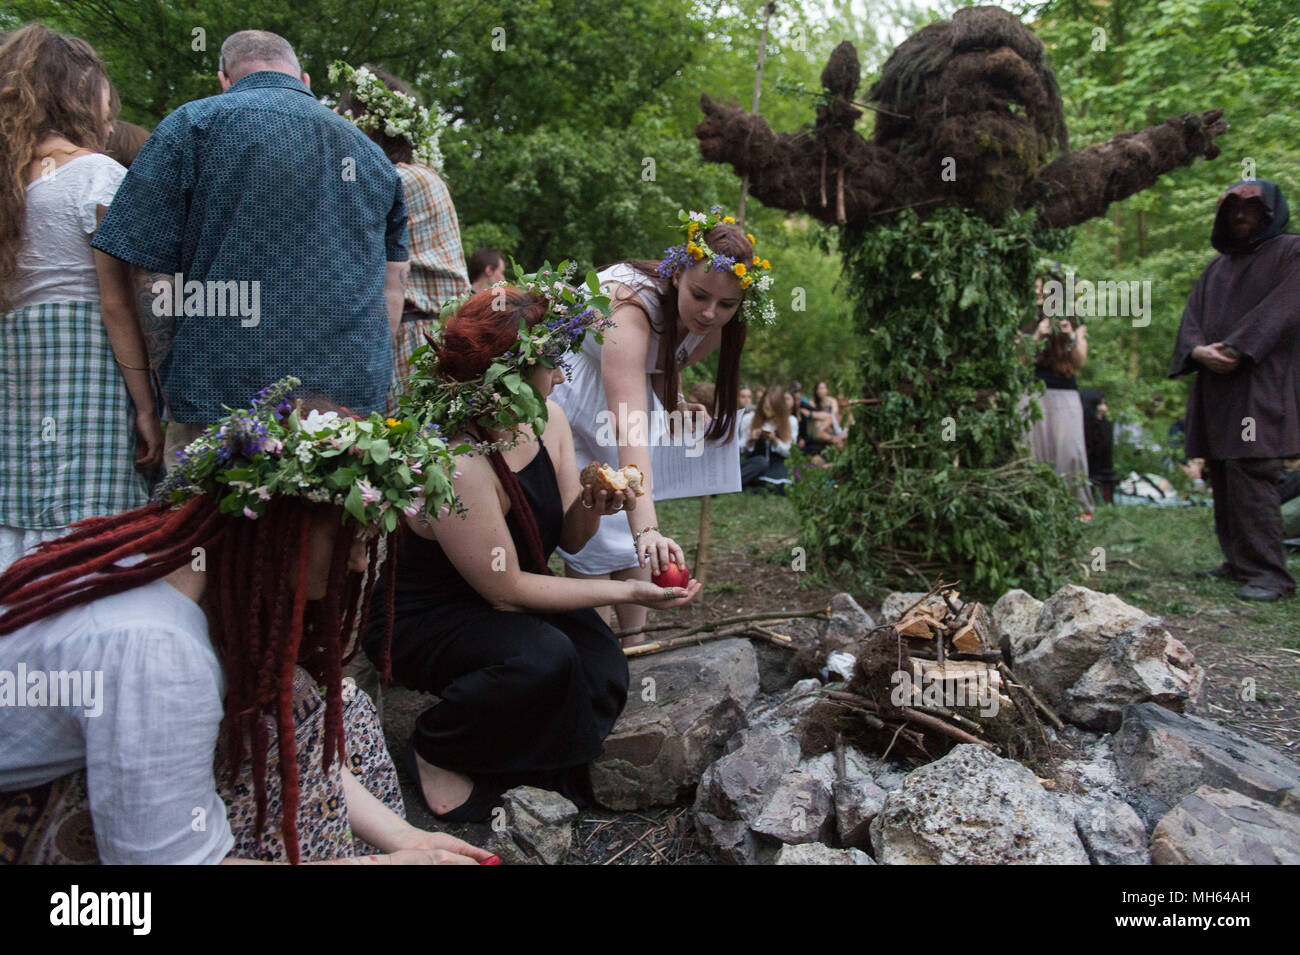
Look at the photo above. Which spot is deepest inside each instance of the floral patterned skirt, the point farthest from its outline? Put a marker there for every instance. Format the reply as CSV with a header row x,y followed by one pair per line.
x,y
51,824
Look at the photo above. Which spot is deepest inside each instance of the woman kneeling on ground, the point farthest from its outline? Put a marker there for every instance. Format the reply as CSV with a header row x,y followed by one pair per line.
x,y
212,636
529,678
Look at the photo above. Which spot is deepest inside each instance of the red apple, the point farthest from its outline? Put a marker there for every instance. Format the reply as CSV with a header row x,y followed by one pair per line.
x,y
672,576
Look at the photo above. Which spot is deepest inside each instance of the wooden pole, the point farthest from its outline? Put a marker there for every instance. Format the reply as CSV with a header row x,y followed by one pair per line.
x,y
706,503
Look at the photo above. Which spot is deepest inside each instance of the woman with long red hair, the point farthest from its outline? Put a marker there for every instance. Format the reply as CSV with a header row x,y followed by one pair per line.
x,y
529,679
202,646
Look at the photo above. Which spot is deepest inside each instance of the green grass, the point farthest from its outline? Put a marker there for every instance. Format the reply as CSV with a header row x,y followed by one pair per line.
x,y
1151,555
753,527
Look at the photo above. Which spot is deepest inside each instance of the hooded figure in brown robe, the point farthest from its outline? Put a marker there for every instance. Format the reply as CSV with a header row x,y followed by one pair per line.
x,y
1240,334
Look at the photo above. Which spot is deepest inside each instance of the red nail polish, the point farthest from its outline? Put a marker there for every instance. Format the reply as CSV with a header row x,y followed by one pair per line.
x,y
491,860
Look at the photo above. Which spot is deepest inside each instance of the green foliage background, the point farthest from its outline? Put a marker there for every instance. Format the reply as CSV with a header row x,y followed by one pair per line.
x,y
547,154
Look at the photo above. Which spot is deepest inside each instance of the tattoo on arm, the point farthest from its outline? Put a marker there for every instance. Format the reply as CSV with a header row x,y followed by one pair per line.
x,y
158,329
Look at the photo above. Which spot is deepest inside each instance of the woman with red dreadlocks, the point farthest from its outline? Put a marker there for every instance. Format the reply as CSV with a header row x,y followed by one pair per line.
x,y
529,678
244,581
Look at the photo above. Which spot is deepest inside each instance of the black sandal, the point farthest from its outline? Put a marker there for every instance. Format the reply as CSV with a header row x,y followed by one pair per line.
x,y
476,808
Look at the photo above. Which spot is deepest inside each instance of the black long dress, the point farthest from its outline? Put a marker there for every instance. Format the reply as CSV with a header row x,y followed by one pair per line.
x,y
523,698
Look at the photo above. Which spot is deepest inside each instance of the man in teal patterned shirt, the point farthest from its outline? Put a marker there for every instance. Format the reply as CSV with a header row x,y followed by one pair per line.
x,y
270,237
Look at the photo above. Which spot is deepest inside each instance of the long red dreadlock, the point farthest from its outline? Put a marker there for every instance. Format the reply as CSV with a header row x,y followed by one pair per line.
x,y
260,628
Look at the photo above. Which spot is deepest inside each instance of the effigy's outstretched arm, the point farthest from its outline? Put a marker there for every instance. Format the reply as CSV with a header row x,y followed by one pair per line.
x,y
830,171
1079,185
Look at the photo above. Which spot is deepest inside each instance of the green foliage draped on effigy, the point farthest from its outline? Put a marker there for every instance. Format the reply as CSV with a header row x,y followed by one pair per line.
x,y
936,478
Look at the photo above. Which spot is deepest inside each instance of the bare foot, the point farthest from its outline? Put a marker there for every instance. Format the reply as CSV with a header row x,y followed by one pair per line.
x,y
443,789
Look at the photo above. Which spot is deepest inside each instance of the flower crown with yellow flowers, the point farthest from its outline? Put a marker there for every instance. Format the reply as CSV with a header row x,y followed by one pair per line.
x,y
755,277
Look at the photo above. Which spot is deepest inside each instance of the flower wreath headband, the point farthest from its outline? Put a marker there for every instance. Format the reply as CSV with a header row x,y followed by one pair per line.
x,y
397,114
371,467
755,277
503,398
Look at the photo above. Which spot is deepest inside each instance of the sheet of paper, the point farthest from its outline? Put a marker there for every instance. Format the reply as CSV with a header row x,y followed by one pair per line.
x,y
685,465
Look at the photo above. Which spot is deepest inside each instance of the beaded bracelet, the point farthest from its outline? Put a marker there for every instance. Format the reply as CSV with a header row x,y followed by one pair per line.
x,y
636,538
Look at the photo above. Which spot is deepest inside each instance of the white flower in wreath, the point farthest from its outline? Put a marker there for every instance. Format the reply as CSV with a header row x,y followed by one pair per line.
x,y
699,217
318,421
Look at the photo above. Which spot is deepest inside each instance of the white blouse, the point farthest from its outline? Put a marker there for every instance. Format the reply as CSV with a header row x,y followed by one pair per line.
x,y
56,263
145,727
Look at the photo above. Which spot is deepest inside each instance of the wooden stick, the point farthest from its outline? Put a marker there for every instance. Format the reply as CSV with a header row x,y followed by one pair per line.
x,y
948,714
739,618
1033,697
939,726
695,639
702,546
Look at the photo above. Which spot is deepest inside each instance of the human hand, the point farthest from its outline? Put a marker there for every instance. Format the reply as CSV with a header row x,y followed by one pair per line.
x,y
148,442
658,550
608,502
444,849
695,417
1214,358
650,595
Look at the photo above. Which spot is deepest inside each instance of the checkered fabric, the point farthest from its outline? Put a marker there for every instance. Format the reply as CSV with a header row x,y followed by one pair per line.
x,y
67,423
264,184
438,270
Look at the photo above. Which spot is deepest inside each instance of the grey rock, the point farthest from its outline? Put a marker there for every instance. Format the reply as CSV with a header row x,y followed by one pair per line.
x,y
800,806
1097,774
666,738
1143,664
973,807
1221,827
892,609
1074,628
1171,755
810,685
739,784
858,799
537,827
1015,617
848,623
816,853
728,840
1112,833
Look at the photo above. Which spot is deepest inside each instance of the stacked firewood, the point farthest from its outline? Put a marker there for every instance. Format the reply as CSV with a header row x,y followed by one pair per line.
x,y
933,679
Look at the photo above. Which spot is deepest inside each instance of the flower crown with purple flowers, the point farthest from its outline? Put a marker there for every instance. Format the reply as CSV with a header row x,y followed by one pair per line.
x,y
503,399
371,467
755,276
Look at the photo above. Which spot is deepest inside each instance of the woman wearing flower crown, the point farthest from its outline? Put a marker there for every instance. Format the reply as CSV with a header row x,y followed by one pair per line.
x,y
667,315
217,628
530,680
389,113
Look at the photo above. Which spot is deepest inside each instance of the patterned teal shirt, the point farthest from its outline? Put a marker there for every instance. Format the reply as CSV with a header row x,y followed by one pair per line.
x,y
279,216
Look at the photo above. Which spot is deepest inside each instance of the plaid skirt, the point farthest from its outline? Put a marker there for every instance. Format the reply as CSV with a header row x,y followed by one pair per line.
x,y
67,423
